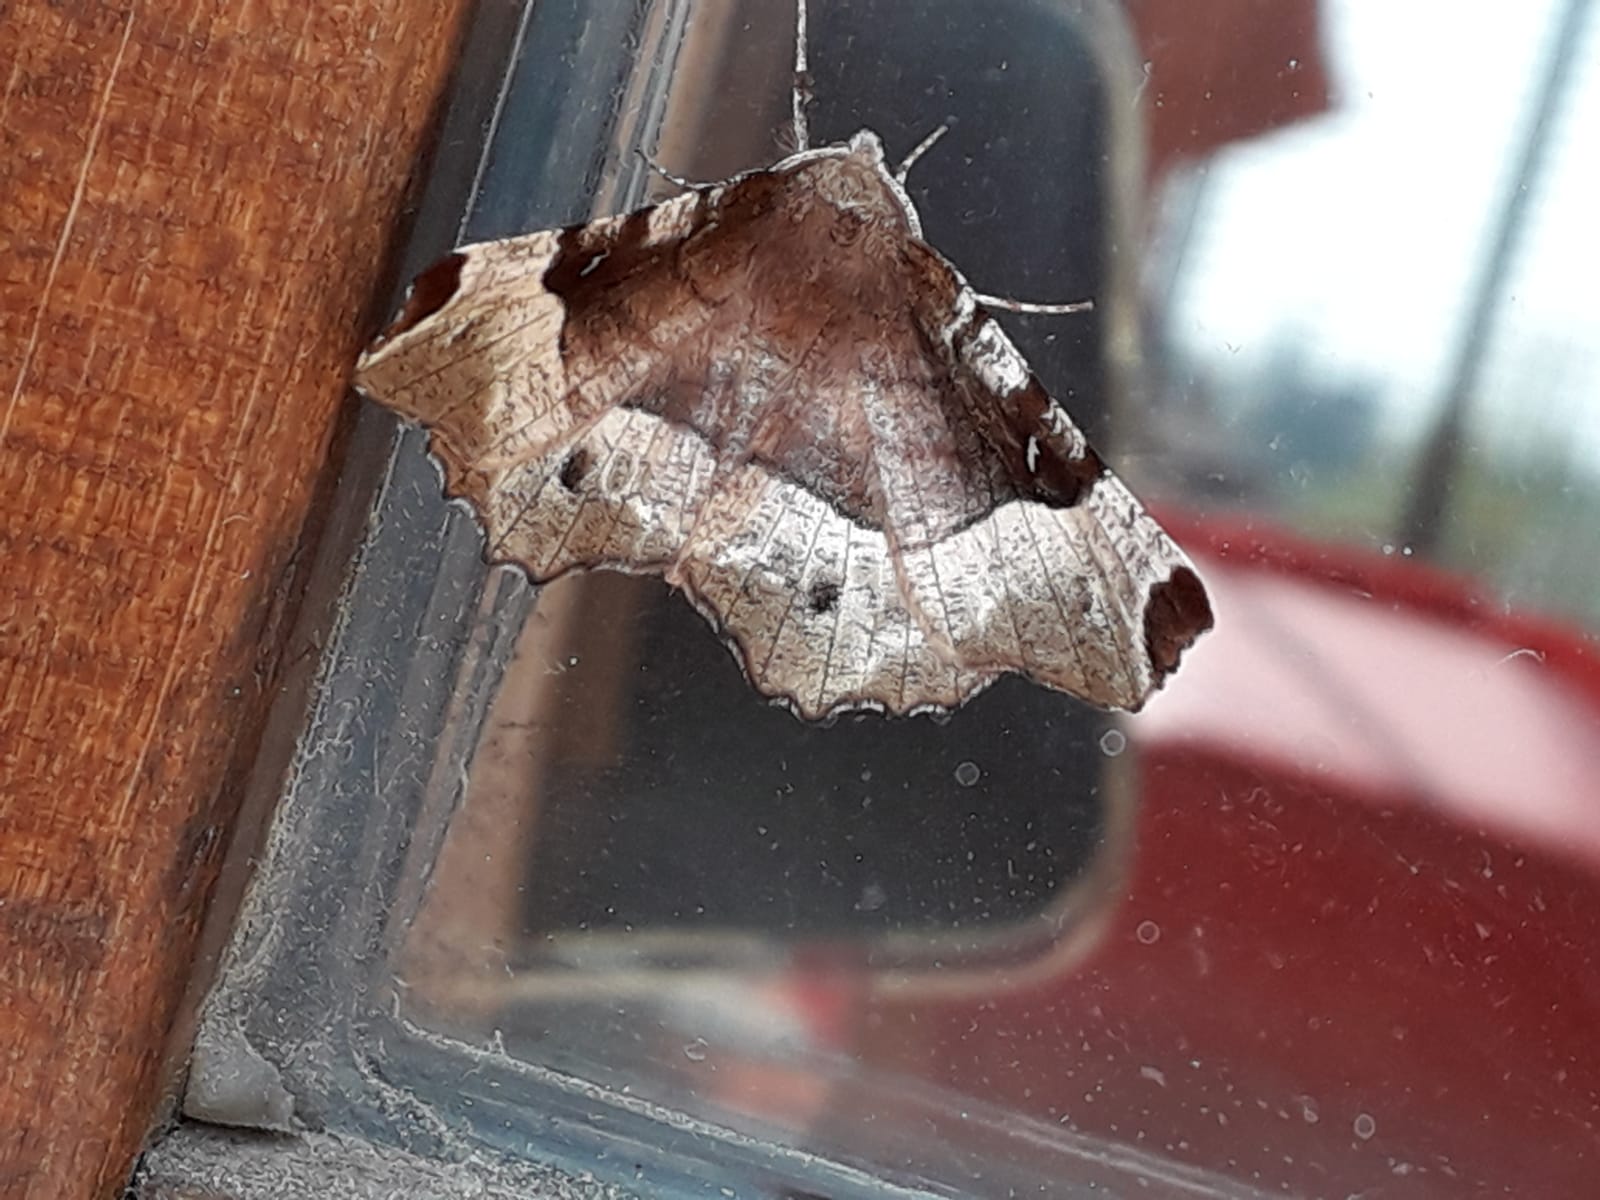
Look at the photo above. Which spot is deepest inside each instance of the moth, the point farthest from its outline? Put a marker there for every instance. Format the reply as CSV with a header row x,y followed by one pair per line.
x,y
774,393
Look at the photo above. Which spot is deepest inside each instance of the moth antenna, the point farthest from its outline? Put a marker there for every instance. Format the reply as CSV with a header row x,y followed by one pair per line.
x,y
1006,304
921,148
802,80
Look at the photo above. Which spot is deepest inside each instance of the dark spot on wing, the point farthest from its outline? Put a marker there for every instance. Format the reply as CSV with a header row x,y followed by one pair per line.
x,y
1009,421
590,257
1055,479
1177,613
824,596
575,469
429,292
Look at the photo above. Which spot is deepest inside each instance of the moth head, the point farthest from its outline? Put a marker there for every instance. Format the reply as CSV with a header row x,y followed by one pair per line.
x,y
868,147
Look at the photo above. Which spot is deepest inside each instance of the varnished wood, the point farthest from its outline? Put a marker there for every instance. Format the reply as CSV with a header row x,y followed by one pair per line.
x,y
195,202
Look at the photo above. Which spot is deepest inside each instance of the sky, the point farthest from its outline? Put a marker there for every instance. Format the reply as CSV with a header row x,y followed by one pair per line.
x,y
1365,229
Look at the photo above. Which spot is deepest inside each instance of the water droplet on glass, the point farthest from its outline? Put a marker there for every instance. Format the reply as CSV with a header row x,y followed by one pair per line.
x,y
1113,742
1365,1126
696,1050
967,774
1148,932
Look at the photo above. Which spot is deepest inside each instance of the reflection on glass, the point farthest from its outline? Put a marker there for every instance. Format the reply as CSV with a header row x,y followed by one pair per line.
x,y
1321,921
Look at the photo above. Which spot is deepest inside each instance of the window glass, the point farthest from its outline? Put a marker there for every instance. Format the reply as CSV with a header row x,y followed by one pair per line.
x,y
1320,921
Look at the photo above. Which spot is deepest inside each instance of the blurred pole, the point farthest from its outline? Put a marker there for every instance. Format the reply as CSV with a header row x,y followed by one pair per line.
x,y
1423,524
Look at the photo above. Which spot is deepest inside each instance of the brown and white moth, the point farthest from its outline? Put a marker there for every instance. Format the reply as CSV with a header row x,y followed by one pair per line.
x,y
774,393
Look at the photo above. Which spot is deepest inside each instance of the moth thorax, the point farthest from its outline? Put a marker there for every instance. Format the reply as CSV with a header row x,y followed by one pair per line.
x,y
859,196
